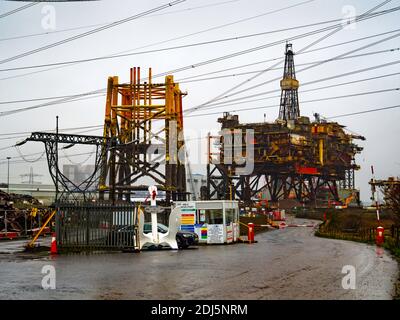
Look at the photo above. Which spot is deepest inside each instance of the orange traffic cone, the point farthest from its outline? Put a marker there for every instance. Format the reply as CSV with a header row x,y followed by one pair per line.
x,y
53,249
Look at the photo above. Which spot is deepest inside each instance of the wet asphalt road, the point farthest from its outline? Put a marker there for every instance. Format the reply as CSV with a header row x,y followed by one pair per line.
x,y
284,264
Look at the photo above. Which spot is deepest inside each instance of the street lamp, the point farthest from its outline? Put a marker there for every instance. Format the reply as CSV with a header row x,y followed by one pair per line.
x,y
8,174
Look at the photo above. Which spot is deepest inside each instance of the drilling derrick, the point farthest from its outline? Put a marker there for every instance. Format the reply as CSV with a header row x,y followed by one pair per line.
x,y
291,158
289,106
144,122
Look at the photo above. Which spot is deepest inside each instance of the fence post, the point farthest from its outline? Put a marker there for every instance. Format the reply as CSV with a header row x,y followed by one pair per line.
x,y
87,226
26,225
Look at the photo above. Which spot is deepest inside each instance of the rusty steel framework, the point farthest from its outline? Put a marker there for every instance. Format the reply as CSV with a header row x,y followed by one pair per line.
x,y
144,121
292,157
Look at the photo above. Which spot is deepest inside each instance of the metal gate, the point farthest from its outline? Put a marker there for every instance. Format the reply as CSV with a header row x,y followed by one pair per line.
x,y
96,226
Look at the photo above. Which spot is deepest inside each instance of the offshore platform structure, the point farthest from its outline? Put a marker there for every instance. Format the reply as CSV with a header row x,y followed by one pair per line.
x,y
142,144
144,122
293,158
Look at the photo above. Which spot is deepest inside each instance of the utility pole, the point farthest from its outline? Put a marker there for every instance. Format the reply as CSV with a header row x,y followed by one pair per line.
x,y
375,193
8,174
56,159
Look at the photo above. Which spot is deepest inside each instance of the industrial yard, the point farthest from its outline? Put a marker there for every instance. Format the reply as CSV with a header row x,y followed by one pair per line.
x,y
172,182
294,257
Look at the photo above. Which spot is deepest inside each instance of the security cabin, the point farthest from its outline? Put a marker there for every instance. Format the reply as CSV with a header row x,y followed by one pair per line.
x,y
214,221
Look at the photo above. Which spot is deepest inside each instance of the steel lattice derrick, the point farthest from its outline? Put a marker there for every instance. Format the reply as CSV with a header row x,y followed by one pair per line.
x,y
289,105
146,123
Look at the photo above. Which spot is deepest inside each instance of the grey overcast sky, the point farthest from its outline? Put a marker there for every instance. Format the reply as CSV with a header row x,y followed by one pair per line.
x,y
191,22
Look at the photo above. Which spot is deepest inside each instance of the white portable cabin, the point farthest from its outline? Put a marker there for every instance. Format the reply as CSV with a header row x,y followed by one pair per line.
x,y
214,221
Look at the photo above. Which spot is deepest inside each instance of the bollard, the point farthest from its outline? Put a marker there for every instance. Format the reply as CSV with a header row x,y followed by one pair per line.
x,y
53,249
380,239
250,235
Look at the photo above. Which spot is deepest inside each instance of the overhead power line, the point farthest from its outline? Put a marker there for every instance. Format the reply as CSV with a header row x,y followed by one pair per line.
x,y
64,100
57,65
74,98
14,135
201,79
50,130
191,66
336,29
85,34
280,57
113,56
309,82
306,101
176,38
363,112
180,81
298,71
104,23
6,14
226,104
331,117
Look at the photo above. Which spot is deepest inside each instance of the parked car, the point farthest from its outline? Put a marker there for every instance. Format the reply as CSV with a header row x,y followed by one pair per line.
x,y
183,238
123,236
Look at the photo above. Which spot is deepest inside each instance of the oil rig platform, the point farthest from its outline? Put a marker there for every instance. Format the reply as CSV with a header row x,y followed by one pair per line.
x,y
291,158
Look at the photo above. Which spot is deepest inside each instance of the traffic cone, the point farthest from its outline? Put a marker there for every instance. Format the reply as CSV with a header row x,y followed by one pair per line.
x,y
53,249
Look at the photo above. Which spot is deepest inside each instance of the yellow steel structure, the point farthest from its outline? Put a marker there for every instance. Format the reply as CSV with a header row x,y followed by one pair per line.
x,y
32,242
143,119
